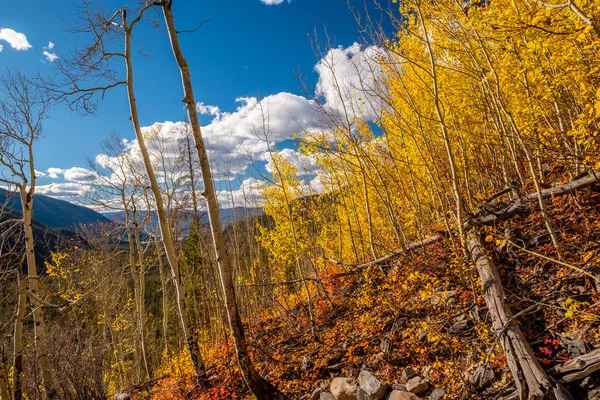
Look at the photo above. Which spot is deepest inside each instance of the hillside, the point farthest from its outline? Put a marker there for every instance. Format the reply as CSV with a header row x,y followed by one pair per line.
x,y
46,240
418,316
55,213
228,216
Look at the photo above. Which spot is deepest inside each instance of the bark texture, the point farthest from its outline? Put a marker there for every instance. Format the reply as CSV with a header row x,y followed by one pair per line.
x,y
531,380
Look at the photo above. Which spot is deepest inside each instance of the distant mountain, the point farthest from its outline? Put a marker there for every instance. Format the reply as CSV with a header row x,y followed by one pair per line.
x,y
46,240
54,213
228,216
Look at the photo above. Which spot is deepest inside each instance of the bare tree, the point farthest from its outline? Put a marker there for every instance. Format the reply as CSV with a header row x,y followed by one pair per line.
x,y
89,74
259,386
23,108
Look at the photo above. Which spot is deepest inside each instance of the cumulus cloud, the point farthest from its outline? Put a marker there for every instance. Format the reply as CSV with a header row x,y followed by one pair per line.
x,y
39,174
54,172
73,174
62,190
78,174
1,48
249,194
50,56
17,40
355,73
235,139
203,109
305,165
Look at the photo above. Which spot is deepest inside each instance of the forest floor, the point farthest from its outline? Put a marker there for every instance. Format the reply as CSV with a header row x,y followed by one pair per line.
x,y
427,311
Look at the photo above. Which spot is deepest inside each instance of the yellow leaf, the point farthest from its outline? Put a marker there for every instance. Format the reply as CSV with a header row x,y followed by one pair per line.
x,y
588,256
489,238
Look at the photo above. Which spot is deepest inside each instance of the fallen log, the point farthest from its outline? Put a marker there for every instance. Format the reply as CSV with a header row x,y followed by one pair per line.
x,y
531,380
577,368
410,247
510,210
491,218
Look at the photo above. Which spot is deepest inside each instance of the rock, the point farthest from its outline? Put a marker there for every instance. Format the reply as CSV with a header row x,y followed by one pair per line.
x,y
576,348
362,395
589,383
407,374
375,387
121,396
482,377
437,394
344,388
399,386
417,385
326,396
426,370
306,364
316,395
399,395
459,327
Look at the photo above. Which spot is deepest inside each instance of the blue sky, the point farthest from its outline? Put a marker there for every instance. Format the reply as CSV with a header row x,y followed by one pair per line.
x,y
248,49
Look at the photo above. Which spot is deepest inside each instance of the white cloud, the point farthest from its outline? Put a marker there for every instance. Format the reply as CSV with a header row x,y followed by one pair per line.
x,y
203,109
58,190
355,73
305,165
50,56
54,172
73,174
1,48
273,2
78,174
235,139
17,40
39,174
50,45
249,194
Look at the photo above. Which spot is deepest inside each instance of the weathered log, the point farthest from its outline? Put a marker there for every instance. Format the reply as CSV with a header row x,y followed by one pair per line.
x,y
531,380
589,179
577,368
489,219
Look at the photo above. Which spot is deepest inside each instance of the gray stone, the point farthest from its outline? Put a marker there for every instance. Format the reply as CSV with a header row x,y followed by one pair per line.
x,y
316,395
344,388
482,377
374,386
326,396
417,385
306,364
362,395
459,327
576,348
399,386
407,374
437,394
399,395
121,396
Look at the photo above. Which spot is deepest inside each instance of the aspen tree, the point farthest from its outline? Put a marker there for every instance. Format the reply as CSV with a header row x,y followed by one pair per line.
x,y
259,386
23,109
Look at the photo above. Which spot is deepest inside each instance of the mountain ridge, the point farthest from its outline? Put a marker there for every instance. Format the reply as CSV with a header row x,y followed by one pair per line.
x,y
53,213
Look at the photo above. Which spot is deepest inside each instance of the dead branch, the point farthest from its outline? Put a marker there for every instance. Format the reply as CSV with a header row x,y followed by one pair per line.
x,y
577,368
